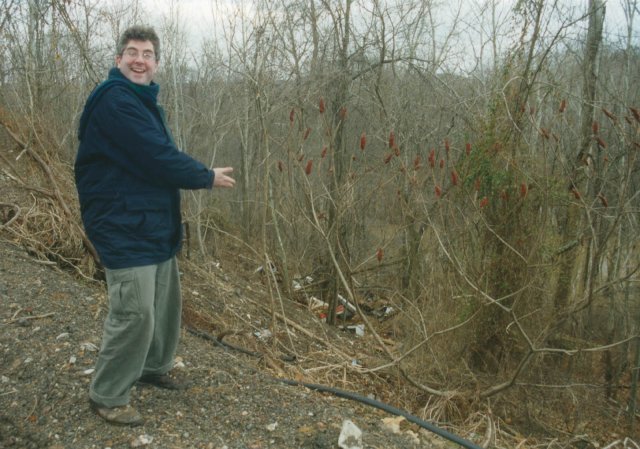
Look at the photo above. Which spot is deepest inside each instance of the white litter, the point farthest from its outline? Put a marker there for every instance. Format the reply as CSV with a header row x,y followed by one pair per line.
x,y
350,436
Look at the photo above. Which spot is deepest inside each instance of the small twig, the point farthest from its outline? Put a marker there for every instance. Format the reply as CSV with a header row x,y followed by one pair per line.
x,y
34,317
6,393
17,313
490,434
16,208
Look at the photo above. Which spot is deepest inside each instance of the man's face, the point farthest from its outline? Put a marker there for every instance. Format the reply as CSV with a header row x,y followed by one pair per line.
x,y
138,62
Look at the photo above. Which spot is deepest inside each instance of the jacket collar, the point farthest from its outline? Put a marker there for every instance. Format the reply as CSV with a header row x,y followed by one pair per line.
x,y
148,94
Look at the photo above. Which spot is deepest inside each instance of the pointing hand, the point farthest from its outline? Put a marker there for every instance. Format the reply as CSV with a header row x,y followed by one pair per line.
x,y
222,178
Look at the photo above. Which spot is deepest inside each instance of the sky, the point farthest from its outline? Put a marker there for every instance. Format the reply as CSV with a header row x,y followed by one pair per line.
x,y
198,15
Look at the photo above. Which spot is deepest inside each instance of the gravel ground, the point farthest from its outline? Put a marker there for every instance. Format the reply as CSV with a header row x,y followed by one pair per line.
x,y
50,329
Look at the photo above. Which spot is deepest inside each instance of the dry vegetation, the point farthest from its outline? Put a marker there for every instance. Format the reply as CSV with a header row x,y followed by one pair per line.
x,y
488,213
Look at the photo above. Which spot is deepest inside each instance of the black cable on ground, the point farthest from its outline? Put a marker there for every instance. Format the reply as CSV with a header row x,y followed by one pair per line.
x,y
347,395
386,407
218,342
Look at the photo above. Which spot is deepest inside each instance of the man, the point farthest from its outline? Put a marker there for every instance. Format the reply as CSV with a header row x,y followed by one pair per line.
x,y
128,174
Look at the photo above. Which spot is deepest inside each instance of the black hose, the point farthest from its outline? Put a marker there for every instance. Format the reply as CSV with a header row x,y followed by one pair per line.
x,y
348,395
218,342
386,407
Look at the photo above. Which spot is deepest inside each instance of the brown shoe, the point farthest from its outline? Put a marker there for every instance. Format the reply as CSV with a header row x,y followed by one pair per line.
x,y
124,415
164,381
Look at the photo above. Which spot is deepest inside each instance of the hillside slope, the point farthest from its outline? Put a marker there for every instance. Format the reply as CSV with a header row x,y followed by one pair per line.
x,y
50,329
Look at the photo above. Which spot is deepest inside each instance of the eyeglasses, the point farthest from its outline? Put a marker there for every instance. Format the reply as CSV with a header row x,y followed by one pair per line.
x,y
132,53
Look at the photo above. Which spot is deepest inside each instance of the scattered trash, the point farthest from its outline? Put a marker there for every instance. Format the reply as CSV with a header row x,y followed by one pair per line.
x,y
62,336
142,440
341,313
350,436
72,360
264,334
315,304
261,269
89,371
342,300
357,328
384,312
299,283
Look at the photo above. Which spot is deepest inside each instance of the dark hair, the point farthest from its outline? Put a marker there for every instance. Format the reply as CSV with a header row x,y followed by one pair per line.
x,y
139,33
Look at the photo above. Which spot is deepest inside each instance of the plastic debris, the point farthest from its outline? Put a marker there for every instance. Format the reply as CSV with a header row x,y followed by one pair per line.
x,y
261,269
350,436
263,334
299,283
358,329
350,307
385,312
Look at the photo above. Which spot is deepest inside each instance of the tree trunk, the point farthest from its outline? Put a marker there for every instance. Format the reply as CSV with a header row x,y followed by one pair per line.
x,y
577,185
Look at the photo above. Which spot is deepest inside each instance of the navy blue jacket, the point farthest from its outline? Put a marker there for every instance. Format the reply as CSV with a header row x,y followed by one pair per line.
x,y
128,173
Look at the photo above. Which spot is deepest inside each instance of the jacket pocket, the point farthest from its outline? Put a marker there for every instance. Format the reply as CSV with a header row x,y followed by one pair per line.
x,y
149,215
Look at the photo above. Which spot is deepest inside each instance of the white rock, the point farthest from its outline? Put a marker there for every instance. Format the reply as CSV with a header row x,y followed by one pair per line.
x,y
142,440
271,427
88,346
350,436
62,336
178,362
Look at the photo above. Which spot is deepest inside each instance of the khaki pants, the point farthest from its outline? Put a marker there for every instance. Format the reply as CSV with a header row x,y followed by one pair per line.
x,y
141,331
